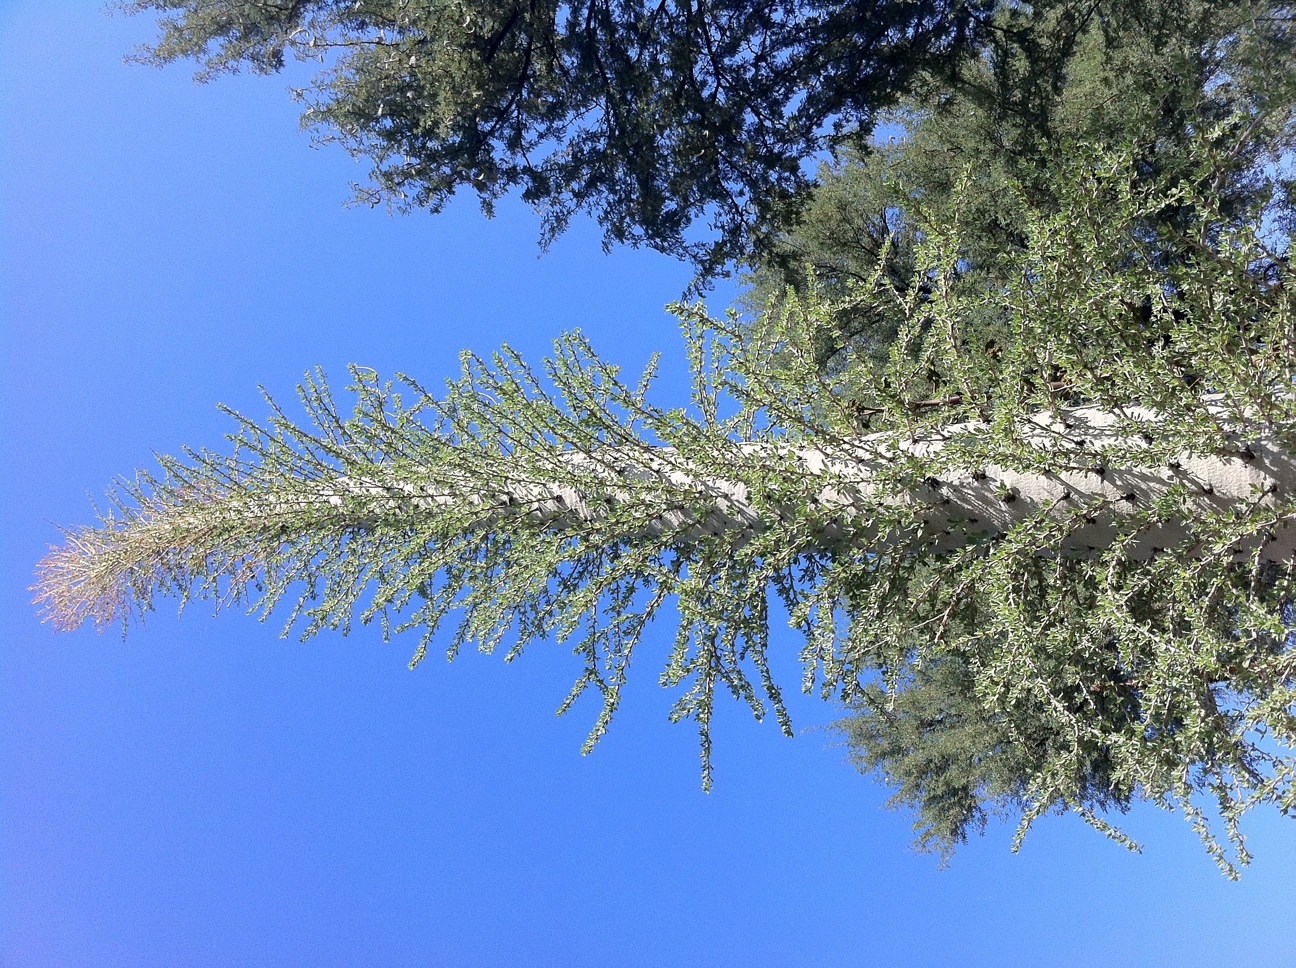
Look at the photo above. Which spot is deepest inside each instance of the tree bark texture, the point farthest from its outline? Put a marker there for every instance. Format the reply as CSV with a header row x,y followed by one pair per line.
x,y
955,506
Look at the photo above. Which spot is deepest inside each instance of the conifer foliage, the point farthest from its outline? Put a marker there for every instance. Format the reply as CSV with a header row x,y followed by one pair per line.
x,y
678,125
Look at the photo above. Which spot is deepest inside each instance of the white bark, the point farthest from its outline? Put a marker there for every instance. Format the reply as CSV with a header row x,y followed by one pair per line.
x,y
964,502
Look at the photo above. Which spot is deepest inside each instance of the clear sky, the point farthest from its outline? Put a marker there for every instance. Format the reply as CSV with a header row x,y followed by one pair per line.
x,y
208,793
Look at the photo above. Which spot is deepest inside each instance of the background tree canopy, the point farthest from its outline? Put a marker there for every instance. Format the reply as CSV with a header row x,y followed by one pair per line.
x,y
1165,82
652,117
1087,213
690,127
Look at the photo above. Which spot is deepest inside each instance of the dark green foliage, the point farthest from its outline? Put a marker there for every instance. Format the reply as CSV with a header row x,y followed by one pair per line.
x,y
955,762
657,118
691,127
960,741
1155,79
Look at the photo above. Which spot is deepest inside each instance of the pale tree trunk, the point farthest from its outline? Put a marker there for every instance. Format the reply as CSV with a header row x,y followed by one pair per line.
x,y
870,494
955,506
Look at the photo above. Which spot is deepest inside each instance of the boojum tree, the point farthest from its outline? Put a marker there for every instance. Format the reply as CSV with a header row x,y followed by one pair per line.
x,y
1086,533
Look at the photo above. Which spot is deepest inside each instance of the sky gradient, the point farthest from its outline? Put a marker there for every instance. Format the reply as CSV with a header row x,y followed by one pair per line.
x,y
206,792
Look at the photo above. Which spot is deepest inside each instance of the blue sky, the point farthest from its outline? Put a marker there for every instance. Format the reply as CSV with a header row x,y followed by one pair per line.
x,y
208,793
